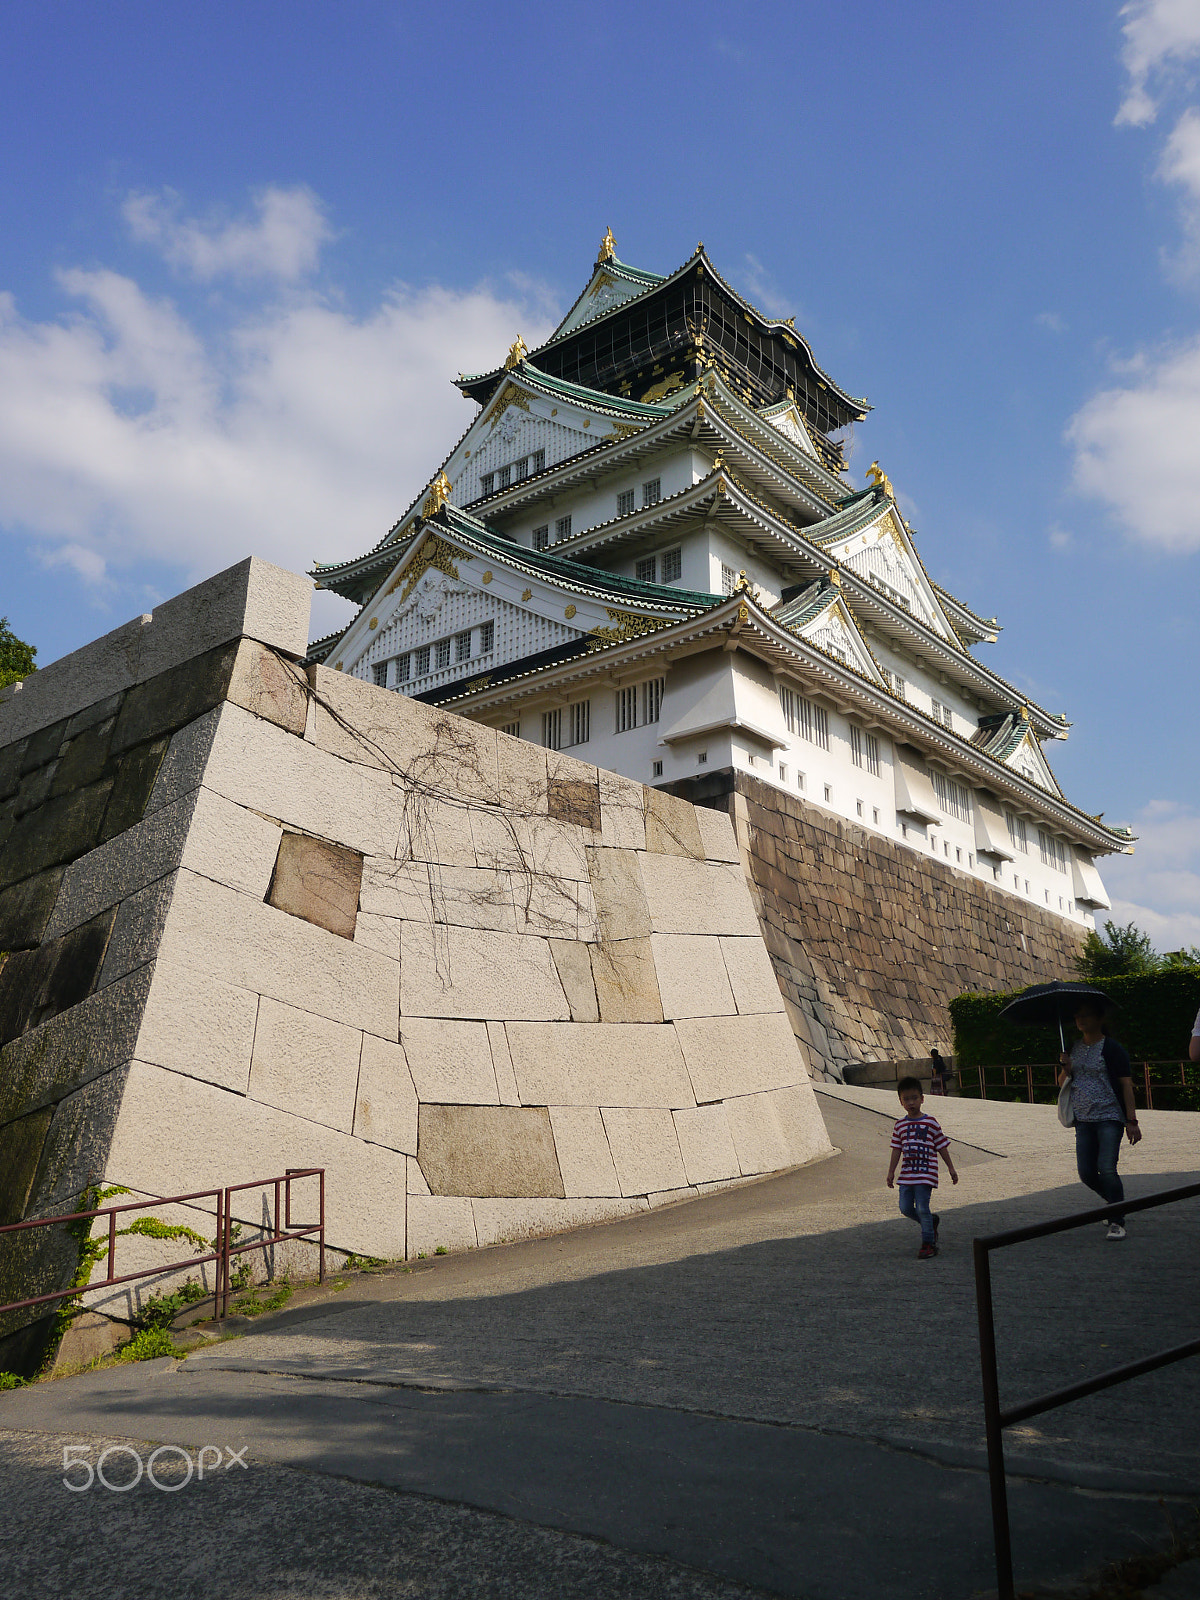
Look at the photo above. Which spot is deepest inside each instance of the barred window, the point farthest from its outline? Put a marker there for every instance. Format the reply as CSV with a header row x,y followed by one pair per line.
x,y
513,729
487,637
646,570
626,709
562,528
656,769
728,579
462,645
672,566
1018,838
442,653
521,469
802,717
954,798
539,461
379,673
403,667
652,492
487,483
942,714
626,503
423,661
652,693
856,745
503,477
886,676
552,729
541,537
872,755
579,718
1053,851
901,688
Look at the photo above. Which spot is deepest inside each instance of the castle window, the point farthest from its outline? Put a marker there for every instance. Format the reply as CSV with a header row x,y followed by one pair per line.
x,y
652,492
954,798
856,750
541,537
552,729
783,772
872,755
828,793
379,673
539,461
802,717
900,688
646,570
656,769
513,729
626,709
503,477
562,529
521,469
579,719
403,667
626,503
859,806
442,653
423,661
672,566
875,815
1053,852
1017,835
800,780
462,645
728,579
487,483
701,758
652,693
487,637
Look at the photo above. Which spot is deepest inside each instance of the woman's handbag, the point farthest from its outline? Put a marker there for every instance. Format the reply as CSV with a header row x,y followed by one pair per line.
x,y
1066,1111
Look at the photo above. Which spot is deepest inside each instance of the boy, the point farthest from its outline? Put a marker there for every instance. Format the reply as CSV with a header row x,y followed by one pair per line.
x,y
916,1141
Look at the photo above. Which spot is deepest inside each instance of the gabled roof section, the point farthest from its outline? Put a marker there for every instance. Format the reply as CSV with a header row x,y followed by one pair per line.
x,y
785,416
612,283
879,549
1012,740
819,615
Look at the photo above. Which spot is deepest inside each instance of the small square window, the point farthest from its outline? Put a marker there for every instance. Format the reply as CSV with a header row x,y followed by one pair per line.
x,y
403,667
539,461
562,529
859,805
728,579
672,566
875,815
462,645
783,772
541,537
503,477
828,792
656,770
702,758
646,570
487,483
487,637
422,661
379,674
626,503
442,653
652,492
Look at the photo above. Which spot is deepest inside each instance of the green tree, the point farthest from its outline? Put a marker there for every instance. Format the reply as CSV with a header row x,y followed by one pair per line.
x,y
16,657
1173,960
1122,950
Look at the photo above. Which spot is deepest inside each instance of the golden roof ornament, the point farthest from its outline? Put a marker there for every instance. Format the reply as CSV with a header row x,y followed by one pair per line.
x,y
517,351
743,584
608,248
880,479
439,493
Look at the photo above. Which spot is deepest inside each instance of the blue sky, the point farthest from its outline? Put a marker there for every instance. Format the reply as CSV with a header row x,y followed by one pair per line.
x,y
246,248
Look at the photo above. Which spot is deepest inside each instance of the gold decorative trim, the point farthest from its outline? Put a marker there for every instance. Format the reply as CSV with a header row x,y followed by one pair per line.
x,y
656,390
487,577
435,552
743,614
510,395
626,625
602,282
517,351
624,430
608,247
439,493
374,622
879,478
479,683
569,613
527,594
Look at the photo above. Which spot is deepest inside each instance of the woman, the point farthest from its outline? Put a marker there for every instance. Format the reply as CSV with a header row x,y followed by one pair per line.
x,y
1101,1080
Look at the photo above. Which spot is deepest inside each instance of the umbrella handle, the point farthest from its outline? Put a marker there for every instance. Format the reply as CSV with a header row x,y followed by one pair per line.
x,y
1062,1043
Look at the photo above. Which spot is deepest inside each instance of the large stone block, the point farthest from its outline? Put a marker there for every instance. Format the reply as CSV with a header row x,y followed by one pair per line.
x,y
257,765
386,1108
692,976
472,897
717,835
759,1137
523,777
318,882
706,1144
686,896
439,1221
58,831
305,1064
77,1144
583,1155
739,1055
21,1144
183,765
671,826
238,1140
247,944
626,981
36,985
82,759
50,1062
645,1150
573,962
26,907
751,974
502,1221
620,894
136,774
465,972
494,839
575,801
552,849
450,1062
254,598
118,869
193,1023
165,702
398,890
622,812
57,691
137,930
598,1064
231,845
799,1116
561,908
270,686
378,933
496,1151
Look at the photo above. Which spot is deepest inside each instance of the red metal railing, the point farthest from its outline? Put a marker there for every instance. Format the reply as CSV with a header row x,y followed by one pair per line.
x,y
1022,1077
223,1241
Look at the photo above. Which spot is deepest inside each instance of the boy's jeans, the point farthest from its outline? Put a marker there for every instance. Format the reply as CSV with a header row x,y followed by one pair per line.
x,y
914,1203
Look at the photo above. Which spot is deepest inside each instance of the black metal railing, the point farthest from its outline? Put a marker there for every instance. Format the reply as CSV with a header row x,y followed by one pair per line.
x,y
997,1419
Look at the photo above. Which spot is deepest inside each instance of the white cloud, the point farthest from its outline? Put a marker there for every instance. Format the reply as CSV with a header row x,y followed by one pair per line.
x,y
296,430
282,241
1135,449
1051,320
1160,37
1180,164
1158,887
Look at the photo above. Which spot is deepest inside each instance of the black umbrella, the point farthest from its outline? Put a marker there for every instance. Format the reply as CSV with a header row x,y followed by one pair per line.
x,y
1045,1003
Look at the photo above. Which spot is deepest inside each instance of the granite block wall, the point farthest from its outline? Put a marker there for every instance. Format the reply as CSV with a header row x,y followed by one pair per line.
x,y
255,917
868,939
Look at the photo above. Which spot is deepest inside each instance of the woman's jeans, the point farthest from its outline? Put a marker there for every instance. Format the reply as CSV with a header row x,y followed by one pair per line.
x,y
1097,1147
914,1203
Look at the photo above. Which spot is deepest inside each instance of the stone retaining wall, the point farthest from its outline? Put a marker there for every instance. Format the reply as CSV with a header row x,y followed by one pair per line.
x,y
869,939
258,918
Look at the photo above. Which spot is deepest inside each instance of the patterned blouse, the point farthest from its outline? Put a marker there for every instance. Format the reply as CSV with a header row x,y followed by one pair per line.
x,y
1092,1096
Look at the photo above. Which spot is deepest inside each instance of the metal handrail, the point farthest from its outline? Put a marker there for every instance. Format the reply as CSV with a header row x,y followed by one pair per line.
x,y
996,1419
1026,1070
223,1239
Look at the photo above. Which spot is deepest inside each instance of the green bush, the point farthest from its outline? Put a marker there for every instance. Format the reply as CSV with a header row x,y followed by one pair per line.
x,y
147,1345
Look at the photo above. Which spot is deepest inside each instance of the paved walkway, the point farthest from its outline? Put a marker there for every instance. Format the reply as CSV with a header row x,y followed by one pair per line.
x,y
763,1388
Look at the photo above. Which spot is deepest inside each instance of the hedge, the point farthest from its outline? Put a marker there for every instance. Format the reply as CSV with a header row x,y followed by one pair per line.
x,y
1154,1022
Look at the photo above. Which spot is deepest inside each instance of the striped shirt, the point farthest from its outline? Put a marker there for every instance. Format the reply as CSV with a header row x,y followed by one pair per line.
x,y
919,1139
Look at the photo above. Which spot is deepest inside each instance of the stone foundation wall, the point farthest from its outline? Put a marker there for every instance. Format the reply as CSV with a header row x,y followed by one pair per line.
x,y
258,918
870,940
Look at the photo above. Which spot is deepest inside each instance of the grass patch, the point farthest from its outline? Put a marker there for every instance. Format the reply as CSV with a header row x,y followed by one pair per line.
x,y
251,1306
10,1380
147,1345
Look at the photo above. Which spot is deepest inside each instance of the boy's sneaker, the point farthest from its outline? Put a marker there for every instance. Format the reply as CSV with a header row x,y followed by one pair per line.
x,y
926,1251
1116,1230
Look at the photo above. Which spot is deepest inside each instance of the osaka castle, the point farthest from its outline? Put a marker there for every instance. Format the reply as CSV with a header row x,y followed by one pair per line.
x,y
645,549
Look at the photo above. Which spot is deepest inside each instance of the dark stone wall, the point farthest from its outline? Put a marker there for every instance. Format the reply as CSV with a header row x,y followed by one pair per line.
x,y
871,939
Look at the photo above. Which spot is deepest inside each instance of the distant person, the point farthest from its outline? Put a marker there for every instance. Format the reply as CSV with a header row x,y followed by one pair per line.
x,y
1194,1041
940,1077
916,1143
1101,1079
